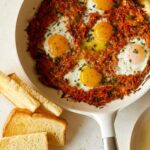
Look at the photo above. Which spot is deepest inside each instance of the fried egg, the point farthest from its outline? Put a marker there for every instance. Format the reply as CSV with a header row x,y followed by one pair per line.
x,y
58,40
99,5
83,76
133,57
98,36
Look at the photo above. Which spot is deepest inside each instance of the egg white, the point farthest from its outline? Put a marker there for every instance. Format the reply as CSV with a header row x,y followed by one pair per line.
x,y
73,77
91,8
125,66
98,21
58,27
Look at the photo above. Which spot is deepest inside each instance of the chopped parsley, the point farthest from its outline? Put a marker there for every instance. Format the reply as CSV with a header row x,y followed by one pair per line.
x,y
94,45
130,60
94,6
96,99
80,69
123,50
49,34
108,44
135,51
138,38
132,42
57,59
143,43
115,29
58,23
107,80
110,93
60,14
117,4
129,17
82,3
75,80
78,84
90,37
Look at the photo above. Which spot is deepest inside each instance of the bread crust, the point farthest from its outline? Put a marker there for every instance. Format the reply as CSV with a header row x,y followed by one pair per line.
x,y
45,103
32,134
12,90
12,113
41,114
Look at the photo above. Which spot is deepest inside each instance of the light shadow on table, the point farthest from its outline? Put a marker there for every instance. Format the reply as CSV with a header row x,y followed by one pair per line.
x,y
81,132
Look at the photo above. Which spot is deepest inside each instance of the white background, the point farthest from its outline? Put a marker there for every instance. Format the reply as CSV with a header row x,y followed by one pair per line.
x,y
83,133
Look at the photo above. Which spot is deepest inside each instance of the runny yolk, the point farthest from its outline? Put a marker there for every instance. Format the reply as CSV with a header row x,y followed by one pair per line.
x,y
104,4
58,45
103,31
136,54
90,77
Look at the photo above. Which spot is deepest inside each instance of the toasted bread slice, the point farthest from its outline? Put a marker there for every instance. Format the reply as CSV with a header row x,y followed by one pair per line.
x,y
37,141
25,122
46,103
16,94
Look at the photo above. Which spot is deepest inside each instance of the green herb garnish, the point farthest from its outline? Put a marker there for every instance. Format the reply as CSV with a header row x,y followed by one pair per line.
x,y
135,51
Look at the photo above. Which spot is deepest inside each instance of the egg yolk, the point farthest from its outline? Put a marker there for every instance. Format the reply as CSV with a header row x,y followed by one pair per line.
x,y
58,45
90,77
103,31
94,45
136,54
104,4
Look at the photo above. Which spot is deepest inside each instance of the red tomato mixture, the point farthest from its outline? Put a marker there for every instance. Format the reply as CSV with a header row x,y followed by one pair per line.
x,y
128,21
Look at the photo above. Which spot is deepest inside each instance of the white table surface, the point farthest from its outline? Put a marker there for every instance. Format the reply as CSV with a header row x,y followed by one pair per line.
x,y
83,133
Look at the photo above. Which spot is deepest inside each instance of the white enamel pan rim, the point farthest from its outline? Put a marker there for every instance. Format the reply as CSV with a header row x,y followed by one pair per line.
x,y
103,116
27,64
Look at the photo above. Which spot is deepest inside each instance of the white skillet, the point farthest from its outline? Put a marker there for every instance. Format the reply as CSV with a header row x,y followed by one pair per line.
x,y
105,117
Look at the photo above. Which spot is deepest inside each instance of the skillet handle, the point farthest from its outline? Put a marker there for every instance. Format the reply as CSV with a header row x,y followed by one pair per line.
x,y
110,143
106,123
